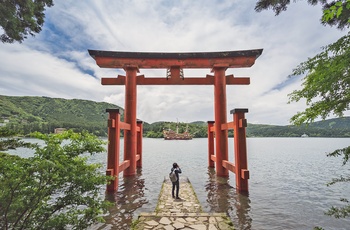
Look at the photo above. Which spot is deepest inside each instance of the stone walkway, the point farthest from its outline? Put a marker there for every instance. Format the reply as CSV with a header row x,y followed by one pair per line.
x,y
185,213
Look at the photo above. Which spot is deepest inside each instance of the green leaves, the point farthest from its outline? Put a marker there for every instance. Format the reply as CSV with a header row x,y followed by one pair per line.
x,y
345,152
54,188
326,86
342,212
21,18
335,11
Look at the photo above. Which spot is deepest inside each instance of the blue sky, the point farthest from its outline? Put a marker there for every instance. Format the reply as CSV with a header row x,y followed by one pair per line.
x,y
56,63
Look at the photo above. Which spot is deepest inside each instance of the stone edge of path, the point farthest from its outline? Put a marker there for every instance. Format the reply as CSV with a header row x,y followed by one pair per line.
x,y
156,216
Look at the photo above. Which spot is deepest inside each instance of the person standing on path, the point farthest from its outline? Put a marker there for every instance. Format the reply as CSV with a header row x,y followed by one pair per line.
x,y
176,184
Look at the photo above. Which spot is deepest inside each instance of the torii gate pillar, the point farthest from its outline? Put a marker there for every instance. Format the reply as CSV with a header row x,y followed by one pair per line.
x,y
130,136
221,137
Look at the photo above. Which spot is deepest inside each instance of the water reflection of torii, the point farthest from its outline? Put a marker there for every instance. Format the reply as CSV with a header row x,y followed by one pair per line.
x,y
218,62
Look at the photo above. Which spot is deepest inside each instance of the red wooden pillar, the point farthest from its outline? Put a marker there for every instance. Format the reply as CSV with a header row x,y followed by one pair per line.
x,y
211,144
130,136
240,148
139,143
113,148
221,144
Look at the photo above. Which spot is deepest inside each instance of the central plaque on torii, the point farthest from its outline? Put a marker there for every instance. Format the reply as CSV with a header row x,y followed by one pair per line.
x,y
174,63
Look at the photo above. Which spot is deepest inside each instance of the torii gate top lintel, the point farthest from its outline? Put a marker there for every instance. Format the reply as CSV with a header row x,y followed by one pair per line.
x,y
153,60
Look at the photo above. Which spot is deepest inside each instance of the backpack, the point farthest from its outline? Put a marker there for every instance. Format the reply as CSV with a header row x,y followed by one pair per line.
x,y
172,176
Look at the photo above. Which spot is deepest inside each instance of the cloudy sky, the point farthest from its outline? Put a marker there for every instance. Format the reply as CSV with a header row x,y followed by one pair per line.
x,y
56,63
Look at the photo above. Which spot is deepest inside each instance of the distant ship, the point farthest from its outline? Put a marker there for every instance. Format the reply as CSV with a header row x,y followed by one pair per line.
x,y
304,135
172,135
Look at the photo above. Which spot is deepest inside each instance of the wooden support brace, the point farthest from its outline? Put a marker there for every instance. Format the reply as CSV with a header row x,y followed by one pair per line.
x,y
109,172
229,166
243,123
227,126
139,143
125,126
212,129
124,165
120,80
111,123
211,142
112,185
245,174
213,158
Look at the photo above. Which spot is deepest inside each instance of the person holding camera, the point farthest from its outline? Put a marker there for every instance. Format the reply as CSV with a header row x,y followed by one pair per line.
x,y
176,184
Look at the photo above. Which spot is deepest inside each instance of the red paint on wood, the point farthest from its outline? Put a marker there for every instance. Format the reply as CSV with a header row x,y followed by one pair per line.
x,y
124,165
139,143
175,62
113,149
210,144
231,62
240,150
130,136
221,146
124,126
229,166
208,80
245,174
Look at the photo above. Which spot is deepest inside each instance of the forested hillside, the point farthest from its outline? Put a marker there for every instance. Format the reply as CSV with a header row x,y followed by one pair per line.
x,y
23,115
27,114
338,127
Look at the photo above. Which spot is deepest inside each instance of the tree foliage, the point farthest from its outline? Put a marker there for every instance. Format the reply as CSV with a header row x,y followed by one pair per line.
x,y
326,86
335,13
19,19
327,77
344,211
54,189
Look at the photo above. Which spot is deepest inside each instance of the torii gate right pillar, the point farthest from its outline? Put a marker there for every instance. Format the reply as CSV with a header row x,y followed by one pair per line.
x,y
221,136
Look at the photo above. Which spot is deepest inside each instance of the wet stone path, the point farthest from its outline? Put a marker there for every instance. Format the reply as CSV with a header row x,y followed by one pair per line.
x,y
184,213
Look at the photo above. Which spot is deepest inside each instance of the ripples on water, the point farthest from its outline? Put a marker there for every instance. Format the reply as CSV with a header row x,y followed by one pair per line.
x,y
287,188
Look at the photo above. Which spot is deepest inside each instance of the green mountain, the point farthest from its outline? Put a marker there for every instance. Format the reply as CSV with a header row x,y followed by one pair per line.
x,y
26,114
23,115
336,127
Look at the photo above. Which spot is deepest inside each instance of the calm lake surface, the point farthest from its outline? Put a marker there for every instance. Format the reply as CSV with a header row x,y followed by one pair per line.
x,y
287,186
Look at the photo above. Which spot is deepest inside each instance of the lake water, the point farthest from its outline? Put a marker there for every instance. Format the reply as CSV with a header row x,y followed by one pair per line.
x,y
287,186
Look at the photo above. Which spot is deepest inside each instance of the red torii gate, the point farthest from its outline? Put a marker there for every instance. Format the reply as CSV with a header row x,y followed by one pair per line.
x,y
218,62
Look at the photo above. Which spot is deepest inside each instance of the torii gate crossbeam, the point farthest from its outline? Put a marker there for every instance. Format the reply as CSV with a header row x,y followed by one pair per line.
x,y
218,62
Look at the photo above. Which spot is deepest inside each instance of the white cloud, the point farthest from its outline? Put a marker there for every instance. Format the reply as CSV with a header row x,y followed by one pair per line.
x,y
56,62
